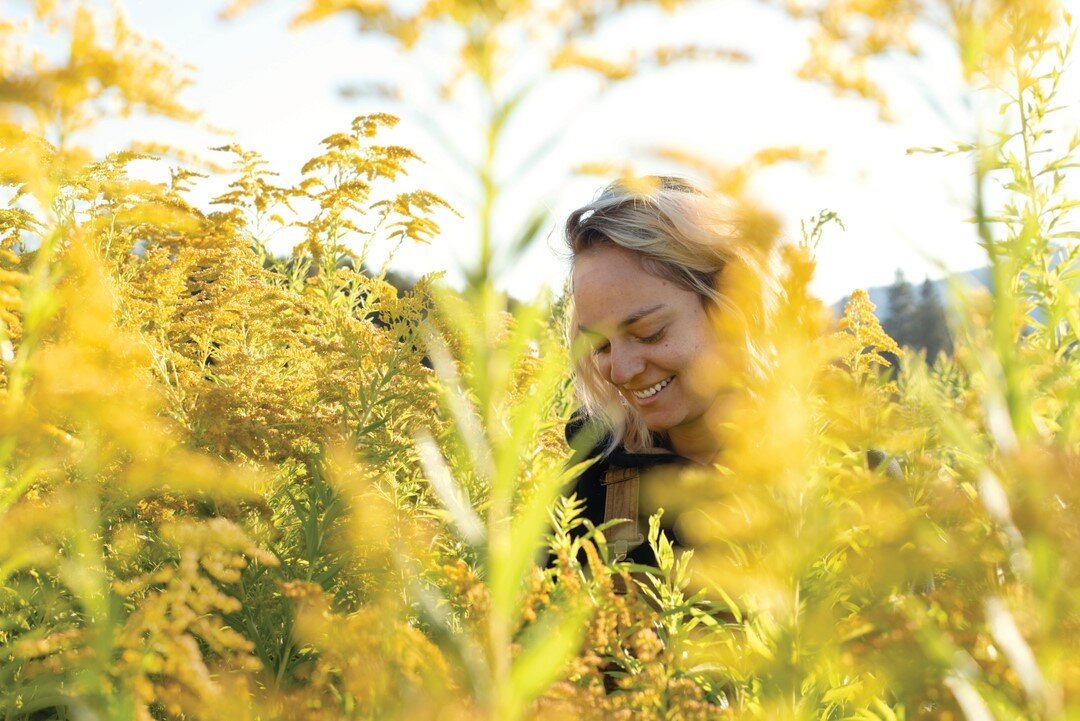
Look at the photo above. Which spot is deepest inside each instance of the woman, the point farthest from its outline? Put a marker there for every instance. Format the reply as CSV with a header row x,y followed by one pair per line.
x,y
665,291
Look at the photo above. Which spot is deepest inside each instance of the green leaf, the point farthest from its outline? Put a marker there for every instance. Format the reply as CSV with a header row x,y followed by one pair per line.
x,y
528,529
449,492
530,230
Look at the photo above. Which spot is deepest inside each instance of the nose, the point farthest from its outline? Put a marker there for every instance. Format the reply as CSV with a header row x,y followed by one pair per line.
x,y
626,363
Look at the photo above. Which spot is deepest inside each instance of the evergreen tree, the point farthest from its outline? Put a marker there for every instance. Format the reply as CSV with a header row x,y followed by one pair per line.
x,y
900,321
932,331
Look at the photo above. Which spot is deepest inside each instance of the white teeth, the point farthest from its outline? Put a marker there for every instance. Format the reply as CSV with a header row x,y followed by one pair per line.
x,y
652,391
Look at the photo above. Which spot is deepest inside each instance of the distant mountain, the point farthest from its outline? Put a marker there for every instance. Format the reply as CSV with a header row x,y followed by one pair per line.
x,y
879,295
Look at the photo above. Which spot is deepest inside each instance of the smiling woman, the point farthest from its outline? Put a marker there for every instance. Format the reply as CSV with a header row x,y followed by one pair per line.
x,y
650,342
665,285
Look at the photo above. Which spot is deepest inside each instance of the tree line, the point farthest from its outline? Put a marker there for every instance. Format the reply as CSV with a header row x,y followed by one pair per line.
x,y
916,320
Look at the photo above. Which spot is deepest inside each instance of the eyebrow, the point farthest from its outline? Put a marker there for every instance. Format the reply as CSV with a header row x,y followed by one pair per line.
x,y
632,318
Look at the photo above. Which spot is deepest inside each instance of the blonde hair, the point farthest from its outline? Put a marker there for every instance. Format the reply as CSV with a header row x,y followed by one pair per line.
x,y
683,234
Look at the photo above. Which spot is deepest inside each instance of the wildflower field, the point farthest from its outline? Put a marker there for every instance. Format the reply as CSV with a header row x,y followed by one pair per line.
x,y
242,486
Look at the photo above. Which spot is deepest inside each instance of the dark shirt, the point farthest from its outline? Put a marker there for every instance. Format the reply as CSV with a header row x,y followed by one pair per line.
x,y
589,485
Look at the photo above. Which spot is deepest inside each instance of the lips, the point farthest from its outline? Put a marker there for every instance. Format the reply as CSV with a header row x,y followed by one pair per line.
x,y
651,391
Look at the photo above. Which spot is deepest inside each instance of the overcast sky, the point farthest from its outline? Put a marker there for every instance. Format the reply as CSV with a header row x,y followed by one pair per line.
x,y
278,91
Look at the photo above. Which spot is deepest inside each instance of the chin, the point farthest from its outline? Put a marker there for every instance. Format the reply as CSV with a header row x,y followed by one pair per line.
x,y
660,424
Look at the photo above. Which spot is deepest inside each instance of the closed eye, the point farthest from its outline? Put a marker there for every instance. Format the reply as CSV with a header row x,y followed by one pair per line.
x,y
654,337
593,342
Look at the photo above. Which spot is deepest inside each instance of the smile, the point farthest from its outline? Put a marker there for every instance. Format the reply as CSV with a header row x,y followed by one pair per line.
x,y
653,390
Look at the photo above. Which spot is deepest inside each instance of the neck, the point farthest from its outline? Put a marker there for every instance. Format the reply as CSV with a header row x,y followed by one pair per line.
x,y
696,442
699,440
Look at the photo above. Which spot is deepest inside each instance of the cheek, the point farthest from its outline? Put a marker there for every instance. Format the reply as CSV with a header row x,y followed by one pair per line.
x,y
681,353
603,367
673,356
697,360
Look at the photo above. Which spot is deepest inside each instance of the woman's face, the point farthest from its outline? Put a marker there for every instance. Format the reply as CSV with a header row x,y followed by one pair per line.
x,y
651,339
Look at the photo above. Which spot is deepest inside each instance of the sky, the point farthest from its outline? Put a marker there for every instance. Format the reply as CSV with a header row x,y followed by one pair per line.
x,y
279,92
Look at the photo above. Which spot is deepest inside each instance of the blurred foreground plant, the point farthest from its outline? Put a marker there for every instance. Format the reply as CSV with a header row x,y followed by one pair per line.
x,y
234,488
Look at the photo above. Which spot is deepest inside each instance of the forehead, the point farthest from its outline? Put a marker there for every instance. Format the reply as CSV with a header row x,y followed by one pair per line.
x,y
611,284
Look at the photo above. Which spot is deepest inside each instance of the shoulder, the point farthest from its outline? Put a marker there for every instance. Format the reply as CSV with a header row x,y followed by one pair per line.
x,y
582,431
592,445
588,445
